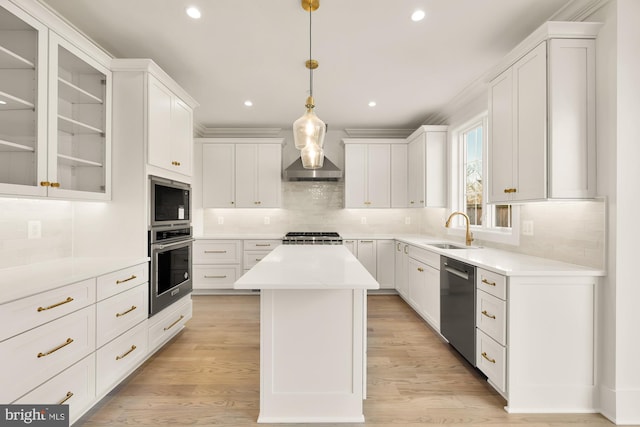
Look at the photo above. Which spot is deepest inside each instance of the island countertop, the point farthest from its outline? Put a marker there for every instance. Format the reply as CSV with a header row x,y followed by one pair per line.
x,y
308,267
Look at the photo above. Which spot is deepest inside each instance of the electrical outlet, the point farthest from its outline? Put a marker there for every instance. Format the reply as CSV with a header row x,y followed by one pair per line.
x,y
527,228
267,220
34,229
220,220
407,220
363,220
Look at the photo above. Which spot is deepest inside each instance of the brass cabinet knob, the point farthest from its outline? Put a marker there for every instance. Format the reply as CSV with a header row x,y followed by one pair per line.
x,y
45,183
55,184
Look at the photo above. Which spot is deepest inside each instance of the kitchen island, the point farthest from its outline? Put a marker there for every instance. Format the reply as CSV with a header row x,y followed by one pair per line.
x,y
313,330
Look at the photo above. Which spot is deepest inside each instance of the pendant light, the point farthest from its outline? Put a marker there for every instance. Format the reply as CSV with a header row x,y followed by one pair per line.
x,y
309,130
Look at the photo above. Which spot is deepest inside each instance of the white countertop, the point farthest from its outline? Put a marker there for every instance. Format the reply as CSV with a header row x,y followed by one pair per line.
x,y
238,236
504,262
27,280
308,267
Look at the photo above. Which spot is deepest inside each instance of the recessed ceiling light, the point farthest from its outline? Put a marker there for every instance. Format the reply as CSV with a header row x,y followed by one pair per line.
x,y
248,103
193,12
418,15
372,103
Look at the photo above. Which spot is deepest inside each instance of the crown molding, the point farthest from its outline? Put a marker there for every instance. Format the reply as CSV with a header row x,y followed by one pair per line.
x,y
578,10
378,133
206,132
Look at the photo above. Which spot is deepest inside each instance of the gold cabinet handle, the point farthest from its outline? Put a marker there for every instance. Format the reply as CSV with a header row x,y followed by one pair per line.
x,y
486,282
174,163
215,252
490,316
68,396
406,249
215,277
133,276
126,353
133,307
412,202
68,300
420,269
366,241
174,323
510,190
263,244
484,354
55,185
53,350
45,183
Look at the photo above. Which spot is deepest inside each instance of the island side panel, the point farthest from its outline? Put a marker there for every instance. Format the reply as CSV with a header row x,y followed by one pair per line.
x,y
311,355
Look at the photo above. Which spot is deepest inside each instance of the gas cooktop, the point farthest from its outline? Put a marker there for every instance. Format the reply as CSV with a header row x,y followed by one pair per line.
x,y
312,238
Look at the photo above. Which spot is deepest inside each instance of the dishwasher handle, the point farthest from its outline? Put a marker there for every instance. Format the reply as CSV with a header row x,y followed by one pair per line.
x,y
462,274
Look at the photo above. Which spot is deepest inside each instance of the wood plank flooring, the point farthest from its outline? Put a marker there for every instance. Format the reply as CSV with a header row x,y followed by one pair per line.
x,y
209,376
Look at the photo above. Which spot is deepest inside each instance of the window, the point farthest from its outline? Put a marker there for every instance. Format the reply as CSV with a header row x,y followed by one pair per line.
x,y
469,184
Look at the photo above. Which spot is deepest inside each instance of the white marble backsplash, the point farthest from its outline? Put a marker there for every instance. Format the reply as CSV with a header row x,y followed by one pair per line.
x,y
56,241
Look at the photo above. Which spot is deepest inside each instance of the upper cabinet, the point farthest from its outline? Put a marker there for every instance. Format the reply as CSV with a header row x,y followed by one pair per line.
x,y
153,109
367,165
170,129
54,112
241,172
542,118
427,167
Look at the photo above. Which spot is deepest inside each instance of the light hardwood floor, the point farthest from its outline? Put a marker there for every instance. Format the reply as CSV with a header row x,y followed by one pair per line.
x,y
209,376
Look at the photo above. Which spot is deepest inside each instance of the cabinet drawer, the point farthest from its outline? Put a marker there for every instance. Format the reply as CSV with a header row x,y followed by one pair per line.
x,y
491,314
121,312
215,277
119,357
122,280
45,351
493,283
261,245
491,359
27,313
425,256
75,386
169,322
216,251
253,257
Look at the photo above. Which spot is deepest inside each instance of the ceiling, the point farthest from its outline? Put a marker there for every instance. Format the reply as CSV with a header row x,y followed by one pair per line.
x,y
367,50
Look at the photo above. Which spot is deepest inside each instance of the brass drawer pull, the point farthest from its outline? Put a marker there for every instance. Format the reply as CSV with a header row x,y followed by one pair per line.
x,y
133,276
126,353
215,277
486,282
510,190
55,185
366,241
45,183
68,396
66,343
490,316
484,354
420,269
133,307
69,299
263,244
174,323
215,252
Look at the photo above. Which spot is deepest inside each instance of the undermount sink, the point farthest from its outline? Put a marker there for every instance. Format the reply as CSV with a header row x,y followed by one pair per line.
x,y
450,246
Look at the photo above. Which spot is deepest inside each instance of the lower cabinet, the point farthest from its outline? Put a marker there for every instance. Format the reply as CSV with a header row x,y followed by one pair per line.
x,y
377,256
255,250
401,269
424,284
216,264
166,324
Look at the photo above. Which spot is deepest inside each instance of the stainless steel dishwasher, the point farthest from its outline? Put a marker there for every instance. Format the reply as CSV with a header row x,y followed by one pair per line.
x,y
458,306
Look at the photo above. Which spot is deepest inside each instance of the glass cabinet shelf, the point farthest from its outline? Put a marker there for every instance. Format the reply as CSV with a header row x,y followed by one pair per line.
x,y
12,146
11,60
76,161
74,127
10,102
75,94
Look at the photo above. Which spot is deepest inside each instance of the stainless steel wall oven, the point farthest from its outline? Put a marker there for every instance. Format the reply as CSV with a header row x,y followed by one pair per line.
x,y
171,250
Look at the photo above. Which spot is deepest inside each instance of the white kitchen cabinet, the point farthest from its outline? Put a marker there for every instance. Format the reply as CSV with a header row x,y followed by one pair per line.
x,y
424,284
367,255
255,250
542,122
427,167
241,172
258,175
399,176
218,175
170,129
385,263
352,245
55,118
401,269
217,264
368,173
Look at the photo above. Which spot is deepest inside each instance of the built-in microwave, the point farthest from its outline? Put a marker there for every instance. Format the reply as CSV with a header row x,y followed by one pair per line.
x,y
170,202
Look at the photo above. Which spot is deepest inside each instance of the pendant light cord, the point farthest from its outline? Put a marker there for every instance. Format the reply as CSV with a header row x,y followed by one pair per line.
x,y
310,57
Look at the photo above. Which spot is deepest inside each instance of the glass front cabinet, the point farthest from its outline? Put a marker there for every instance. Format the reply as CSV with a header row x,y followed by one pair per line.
x,y
55,114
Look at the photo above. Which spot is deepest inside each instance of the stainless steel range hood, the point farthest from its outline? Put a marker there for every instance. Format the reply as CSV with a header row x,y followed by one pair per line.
x,y
296,172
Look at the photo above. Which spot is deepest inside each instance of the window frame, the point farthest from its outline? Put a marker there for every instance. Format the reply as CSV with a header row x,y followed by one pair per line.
x,y
509,236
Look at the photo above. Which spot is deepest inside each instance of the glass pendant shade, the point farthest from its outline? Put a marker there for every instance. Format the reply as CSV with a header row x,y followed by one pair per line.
x,y
309,128
312,156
